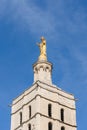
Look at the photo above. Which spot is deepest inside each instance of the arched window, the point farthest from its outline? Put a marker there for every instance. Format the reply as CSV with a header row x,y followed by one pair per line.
x,y
29,127
49,126
49,110
20,118
62,114
29,111
62,128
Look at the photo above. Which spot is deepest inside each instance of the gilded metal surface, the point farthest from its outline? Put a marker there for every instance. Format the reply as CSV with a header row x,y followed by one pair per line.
x,y
42,47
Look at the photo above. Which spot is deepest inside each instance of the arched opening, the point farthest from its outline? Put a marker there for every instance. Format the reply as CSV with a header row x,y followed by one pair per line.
x,y
49,110
29,127
29,111
62,114
49,126
62,128
20,118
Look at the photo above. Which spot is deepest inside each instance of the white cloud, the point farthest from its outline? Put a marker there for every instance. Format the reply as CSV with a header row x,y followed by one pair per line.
x,y
27,14
56,16
2,7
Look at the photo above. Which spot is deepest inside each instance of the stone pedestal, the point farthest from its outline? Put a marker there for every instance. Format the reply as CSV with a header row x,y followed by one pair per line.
x,y
43,72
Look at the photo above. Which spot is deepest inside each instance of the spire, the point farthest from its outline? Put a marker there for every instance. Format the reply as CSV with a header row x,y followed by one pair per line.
x,y
42,46
42,68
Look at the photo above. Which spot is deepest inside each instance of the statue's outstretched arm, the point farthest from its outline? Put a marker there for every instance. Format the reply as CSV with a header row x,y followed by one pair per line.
x,y
38,44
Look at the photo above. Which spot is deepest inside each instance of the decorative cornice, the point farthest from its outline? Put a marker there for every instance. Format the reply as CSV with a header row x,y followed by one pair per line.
x,y
37,84
41,62
53,119
45,99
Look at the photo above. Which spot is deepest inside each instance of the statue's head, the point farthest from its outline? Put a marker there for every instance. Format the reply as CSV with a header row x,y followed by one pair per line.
x,y
42,38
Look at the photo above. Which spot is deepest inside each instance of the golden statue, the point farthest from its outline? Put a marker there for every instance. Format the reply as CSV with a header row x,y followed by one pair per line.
x,y
42,47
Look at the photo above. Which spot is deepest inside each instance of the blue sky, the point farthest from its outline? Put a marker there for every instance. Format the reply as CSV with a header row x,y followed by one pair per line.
x,y
64,25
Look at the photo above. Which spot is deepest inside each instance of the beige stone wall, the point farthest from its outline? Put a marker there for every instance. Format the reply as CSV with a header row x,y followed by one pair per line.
x,y
56,125
21,104
39,96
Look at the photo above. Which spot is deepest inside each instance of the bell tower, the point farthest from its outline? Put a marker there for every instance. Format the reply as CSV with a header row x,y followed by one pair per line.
x,y
43,105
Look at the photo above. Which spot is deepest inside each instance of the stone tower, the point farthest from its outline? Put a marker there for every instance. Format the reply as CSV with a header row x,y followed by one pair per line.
x,y
43,105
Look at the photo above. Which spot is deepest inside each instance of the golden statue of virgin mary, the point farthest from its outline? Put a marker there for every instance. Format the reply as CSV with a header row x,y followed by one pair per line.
x,y
42,47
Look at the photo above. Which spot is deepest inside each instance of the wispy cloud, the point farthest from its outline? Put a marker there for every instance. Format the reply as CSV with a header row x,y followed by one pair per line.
x,y
27,14
74,66
56,16
2,7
